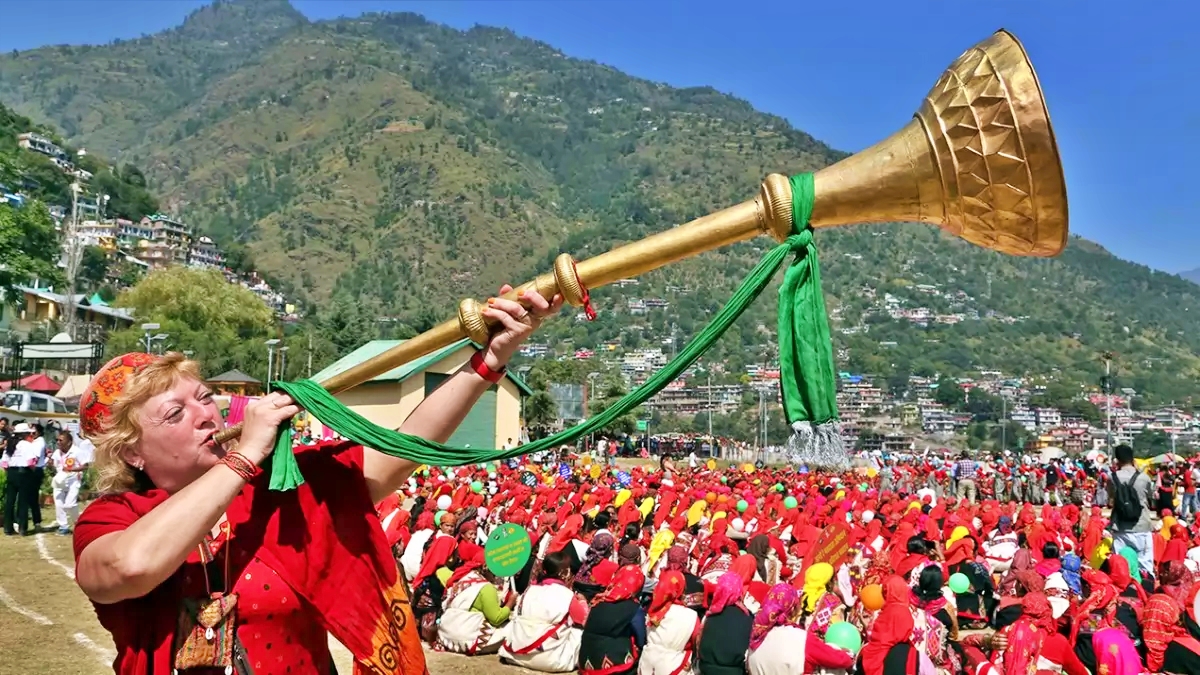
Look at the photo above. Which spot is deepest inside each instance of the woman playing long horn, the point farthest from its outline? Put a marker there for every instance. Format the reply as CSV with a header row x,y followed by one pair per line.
x,y
192,562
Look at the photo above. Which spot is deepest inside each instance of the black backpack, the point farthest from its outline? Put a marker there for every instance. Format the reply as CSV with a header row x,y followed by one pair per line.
x,y
1127,508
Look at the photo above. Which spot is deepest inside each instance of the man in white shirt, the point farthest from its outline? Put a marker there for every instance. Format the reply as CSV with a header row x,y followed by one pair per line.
x,y
23,472
71,458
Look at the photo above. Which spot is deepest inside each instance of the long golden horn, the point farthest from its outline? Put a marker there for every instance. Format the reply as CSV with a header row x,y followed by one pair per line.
x,y
978,160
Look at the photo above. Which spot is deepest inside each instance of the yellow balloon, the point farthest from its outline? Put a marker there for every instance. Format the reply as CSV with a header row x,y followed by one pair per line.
x,y
647,506
712,464
622,497
748,467
596,471
872,472
696,512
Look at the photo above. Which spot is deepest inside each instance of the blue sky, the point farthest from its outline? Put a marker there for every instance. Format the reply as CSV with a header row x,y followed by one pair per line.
x,y
1119,78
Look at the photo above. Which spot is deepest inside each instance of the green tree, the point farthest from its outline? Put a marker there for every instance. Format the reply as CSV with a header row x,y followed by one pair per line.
x,y
93,267
1151,442
541,410
28,247
223,325
949,393
348,323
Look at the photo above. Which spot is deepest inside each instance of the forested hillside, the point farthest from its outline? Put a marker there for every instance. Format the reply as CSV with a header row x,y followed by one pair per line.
x,y
395,165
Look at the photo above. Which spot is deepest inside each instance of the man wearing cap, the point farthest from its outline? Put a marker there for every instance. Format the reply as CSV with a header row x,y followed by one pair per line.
x,y
22,470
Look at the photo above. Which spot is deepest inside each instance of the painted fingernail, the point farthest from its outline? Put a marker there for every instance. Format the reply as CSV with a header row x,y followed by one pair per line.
x,y
491,301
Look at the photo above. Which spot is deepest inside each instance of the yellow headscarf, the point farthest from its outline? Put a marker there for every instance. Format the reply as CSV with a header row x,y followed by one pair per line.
x,y
1103,549
1165,531
816,578
659,545
958,533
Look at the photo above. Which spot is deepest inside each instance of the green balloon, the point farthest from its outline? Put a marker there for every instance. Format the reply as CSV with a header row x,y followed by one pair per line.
x,y
437,518
476,487
959,583
742,506
844,636
724,479
790,502
779,487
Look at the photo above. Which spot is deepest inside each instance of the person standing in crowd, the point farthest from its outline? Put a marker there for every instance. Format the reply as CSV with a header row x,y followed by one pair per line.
x,y
1191,479
21,487
965,470
71,458
39,476
1131,507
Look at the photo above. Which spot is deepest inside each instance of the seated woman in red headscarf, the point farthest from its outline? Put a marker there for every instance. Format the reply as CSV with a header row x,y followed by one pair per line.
x,y
1033,643
672,629
615,631
189,531
889,649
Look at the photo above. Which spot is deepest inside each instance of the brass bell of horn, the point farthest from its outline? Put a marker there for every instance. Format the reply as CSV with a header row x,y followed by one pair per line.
x,y
978,160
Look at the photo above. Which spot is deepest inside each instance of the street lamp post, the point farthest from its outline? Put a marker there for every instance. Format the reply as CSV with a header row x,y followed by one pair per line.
x,y
282,372
270,359
149,328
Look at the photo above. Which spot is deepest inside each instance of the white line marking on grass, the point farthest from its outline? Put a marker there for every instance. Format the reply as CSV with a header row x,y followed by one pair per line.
x,y
7,601
104,656
44,552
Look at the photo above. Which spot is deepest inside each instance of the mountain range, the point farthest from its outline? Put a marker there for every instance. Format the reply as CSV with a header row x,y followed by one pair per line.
x,y
398,164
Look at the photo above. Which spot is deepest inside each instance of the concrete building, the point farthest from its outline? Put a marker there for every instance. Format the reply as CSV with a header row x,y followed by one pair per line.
x,y
388,400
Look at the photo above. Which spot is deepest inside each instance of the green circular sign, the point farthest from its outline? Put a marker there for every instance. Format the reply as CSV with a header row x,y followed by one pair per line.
x,y
507,550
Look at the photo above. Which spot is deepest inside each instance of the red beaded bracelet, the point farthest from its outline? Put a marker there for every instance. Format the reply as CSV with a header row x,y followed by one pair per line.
x,y
240,465
482,369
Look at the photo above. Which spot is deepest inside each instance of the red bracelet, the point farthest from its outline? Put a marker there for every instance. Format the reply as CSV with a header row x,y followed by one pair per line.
x,y
482,369
240,465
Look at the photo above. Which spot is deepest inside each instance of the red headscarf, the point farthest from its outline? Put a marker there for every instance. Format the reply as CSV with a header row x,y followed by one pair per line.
x,y
570,529
1026,636
893,626
475,562
626,584
669,591
437,555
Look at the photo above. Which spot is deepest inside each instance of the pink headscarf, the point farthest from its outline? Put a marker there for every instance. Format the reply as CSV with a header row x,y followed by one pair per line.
x,y
1115,653
729,592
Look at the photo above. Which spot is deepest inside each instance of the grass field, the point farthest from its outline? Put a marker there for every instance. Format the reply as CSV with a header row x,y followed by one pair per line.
x,y
47,626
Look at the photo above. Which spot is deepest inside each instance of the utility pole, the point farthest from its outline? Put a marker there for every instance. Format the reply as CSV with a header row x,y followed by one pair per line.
x,y
710,406
73,259
309,355
1108,399
1003,422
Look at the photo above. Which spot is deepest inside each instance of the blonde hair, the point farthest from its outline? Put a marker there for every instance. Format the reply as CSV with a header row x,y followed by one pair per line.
x,y
121,430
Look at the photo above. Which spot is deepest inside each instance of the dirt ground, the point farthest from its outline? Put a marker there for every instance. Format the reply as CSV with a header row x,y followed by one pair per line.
x,y
48,627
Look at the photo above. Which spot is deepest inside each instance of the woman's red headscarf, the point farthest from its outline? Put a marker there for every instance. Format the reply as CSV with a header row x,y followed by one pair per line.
x,y
1176,548
669,591
437,555
1104,594
1160,624
474,563
1122,578
570,530
893,626
1027,635
745,566
626,584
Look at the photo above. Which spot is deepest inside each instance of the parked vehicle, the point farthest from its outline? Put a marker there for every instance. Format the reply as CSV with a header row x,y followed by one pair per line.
x,y
36,408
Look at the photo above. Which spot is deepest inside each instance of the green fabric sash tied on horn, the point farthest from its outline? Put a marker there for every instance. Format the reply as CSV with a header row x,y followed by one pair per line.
x,y
806,374
807,378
